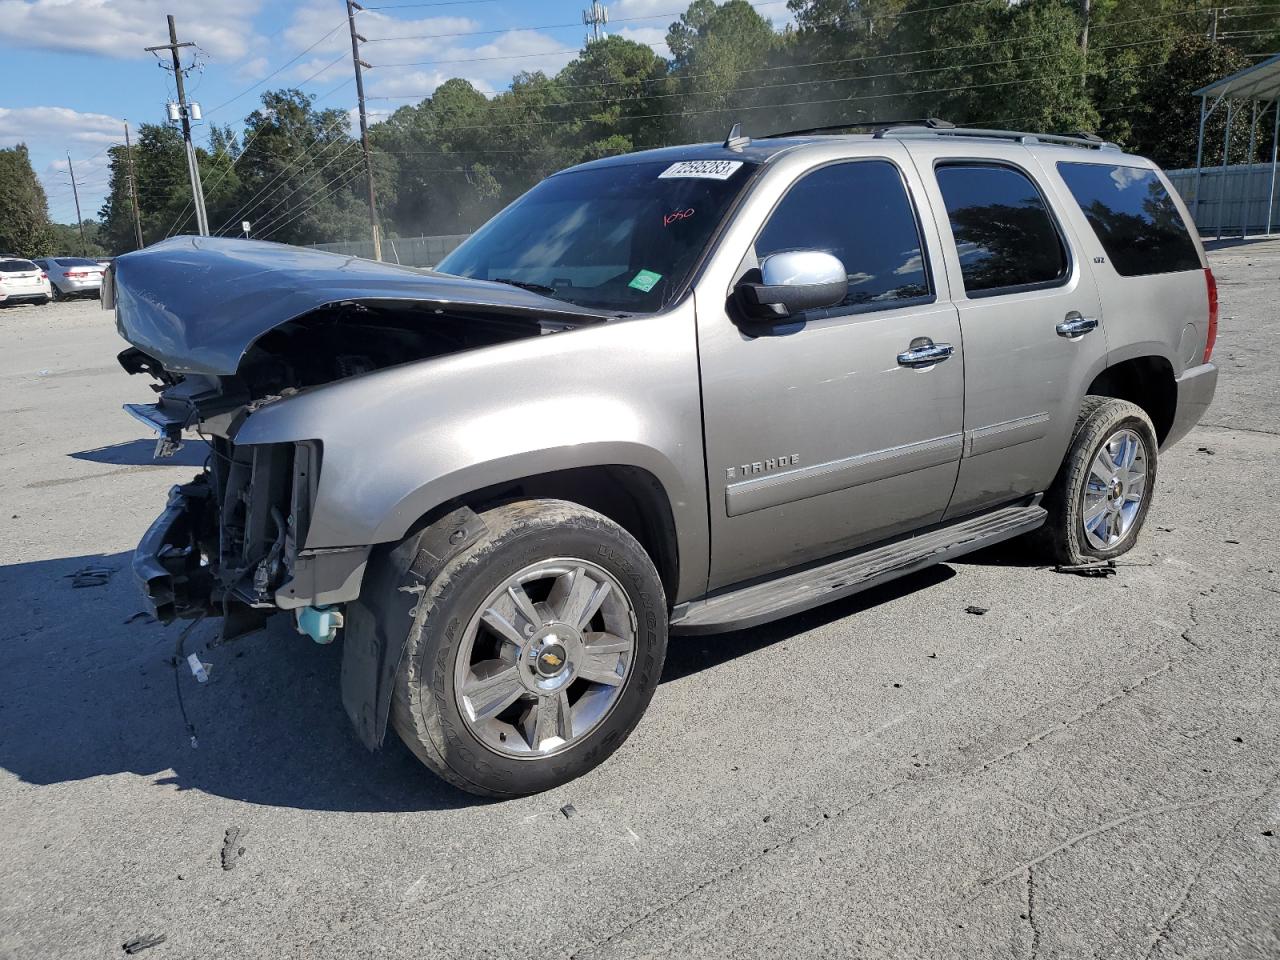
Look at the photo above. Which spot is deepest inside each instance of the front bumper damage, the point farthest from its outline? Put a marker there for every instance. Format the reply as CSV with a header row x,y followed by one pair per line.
x,y
167,561
229,543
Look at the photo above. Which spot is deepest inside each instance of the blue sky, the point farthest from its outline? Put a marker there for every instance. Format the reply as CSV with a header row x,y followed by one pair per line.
x,y
72,71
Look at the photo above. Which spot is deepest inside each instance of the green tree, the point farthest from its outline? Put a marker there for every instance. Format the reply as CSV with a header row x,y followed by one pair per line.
x,y
24,209
1165,119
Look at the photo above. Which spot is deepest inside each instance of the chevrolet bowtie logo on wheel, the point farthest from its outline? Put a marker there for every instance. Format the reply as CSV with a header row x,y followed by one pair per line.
x,y
551,660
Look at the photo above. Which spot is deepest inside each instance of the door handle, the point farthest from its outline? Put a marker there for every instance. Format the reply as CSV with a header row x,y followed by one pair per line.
x,y
923,352
1075,325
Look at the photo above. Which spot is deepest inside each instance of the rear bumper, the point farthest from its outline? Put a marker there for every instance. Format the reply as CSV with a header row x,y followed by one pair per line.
x,y
25,296
1196,387
79,286
167,560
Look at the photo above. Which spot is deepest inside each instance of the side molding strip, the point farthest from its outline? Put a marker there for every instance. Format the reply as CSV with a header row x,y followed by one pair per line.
x,y
759,493
1009,433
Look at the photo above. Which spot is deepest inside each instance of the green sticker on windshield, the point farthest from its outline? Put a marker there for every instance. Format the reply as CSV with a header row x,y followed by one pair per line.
x,y
644,280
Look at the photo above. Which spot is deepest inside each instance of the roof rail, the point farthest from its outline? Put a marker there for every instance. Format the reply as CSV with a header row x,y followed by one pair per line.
x,y
1089,141
928,123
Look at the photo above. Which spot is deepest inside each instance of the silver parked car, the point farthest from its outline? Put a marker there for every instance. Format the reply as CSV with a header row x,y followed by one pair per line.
x,y
682,391
73,276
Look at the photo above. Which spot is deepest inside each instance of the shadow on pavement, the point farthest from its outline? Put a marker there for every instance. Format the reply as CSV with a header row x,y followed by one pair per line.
x,y
140,453
87,689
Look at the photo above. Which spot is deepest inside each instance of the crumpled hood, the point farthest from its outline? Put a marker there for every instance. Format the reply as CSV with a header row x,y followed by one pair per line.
x,y
196,304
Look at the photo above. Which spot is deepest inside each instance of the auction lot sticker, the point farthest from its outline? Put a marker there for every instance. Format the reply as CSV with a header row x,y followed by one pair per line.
x,y
701,170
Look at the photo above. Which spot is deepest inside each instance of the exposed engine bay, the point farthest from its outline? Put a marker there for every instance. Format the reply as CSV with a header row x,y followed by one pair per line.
x,y
232,541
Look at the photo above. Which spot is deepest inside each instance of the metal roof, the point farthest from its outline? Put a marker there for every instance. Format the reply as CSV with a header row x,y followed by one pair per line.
x,y
1259,82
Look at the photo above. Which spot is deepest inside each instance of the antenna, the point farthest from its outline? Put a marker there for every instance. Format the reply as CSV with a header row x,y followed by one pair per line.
x,y
595,18
735,140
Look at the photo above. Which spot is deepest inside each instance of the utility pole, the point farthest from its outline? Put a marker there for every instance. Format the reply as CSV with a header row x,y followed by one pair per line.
x,y
75,192
133,187
360,65
595,18
193,166
1084,45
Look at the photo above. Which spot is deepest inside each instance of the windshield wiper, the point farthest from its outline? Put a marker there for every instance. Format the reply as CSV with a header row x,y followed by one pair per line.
x,y
526,285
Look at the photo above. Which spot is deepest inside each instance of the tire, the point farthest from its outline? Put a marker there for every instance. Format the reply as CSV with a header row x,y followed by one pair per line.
x,y
57,293
529,746
1092,512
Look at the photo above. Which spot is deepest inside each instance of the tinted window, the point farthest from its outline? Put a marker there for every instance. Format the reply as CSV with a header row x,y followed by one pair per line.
x,y
16,266
76,262
1134,217
860,213
1004,234
616,237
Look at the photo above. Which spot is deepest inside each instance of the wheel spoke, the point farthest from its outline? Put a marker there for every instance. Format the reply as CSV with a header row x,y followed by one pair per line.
x,y
1108,464
1137,488
503,627
549,720
602,660
492,687
578,596
523,604
1093,511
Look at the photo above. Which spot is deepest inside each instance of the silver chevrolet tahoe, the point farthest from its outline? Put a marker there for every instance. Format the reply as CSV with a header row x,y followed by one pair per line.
x,y
687,390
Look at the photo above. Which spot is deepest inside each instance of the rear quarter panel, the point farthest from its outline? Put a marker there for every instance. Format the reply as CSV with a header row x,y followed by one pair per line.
x,y
1165,314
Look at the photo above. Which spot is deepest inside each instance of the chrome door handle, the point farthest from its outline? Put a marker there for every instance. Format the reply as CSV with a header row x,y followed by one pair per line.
x,y
923,352
1075,325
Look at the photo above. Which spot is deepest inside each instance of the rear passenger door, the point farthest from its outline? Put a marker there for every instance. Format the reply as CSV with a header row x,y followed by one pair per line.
x,y
1029,315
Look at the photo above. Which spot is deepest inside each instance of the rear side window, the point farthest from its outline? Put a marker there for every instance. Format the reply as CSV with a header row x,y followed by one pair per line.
x,y
16,266
859,212
1005,237
1134,217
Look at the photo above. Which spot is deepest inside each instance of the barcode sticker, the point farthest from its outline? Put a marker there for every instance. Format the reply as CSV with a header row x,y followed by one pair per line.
x,y
701,170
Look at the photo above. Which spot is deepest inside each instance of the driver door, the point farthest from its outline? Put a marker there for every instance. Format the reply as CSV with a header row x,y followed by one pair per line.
x,y
818,438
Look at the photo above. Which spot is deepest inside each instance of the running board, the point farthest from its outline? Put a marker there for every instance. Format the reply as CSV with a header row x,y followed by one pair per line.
x,y
803,590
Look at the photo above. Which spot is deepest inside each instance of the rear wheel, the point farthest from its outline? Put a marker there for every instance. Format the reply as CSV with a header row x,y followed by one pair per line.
x,y
1102,493
57,294
534,652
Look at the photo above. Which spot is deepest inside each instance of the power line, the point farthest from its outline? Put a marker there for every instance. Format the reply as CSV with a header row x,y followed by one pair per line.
x,y
350,174
814,63
272,196
279,69
800,83
278,200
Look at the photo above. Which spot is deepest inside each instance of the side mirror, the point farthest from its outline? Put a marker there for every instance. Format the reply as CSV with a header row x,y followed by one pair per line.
x,y
793,282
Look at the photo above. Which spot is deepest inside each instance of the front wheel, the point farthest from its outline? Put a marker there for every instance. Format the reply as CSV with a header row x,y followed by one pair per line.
x,y
533,653
1102,493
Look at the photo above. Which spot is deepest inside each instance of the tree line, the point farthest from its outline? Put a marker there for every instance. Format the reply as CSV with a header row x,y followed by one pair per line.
x,y
443,165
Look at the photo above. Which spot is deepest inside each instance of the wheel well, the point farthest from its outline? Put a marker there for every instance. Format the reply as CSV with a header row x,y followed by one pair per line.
x,y
1146,381
632,498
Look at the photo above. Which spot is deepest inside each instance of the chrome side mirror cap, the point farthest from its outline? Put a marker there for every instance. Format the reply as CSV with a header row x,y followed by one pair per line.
x,y
792,282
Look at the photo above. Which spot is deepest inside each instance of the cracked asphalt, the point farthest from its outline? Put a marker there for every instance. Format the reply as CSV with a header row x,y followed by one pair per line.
x,y
1090,769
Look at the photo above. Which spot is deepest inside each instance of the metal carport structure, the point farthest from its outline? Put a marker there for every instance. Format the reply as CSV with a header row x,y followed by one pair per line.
x,y
1252,88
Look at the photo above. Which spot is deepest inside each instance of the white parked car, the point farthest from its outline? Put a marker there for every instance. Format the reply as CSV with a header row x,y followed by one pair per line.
x,y
73,276
23,281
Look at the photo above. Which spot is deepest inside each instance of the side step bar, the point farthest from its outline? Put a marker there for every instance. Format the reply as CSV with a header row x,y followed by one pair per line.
x,y
791,593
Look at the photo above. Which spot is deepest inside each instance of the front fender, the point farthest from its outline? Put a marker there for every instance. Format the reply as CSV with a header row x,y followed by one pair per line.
x,y
399,442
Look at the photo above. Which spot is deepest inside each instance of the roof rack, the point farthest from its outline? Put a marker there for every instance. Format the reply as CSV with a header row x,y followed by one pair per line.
x,y
927,123
1089,141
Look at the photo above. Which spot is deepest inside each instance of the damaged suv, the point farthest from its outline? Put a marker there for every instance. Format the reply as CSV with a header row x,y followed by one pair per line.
x,y
687,390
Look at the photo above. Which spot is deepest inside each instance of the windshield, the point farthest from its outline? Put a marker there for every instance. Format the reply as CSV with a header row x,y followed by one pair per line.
x,y
76,262
614,238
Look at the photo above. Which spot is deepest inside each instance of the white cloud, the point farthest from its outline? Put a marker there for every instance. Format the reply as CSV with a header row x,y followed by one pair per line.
x,y
123,27
58,127
654,37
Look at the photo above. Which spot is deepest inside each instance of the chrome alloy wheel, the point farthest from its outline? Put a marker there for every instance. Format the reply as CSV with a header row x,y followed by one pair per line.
x,y
1114,490
544,660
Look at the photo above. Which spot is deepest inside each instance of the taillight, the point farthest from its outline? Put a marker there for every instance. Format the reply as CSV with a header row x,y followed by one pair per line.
x,y
1212,338
43,275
